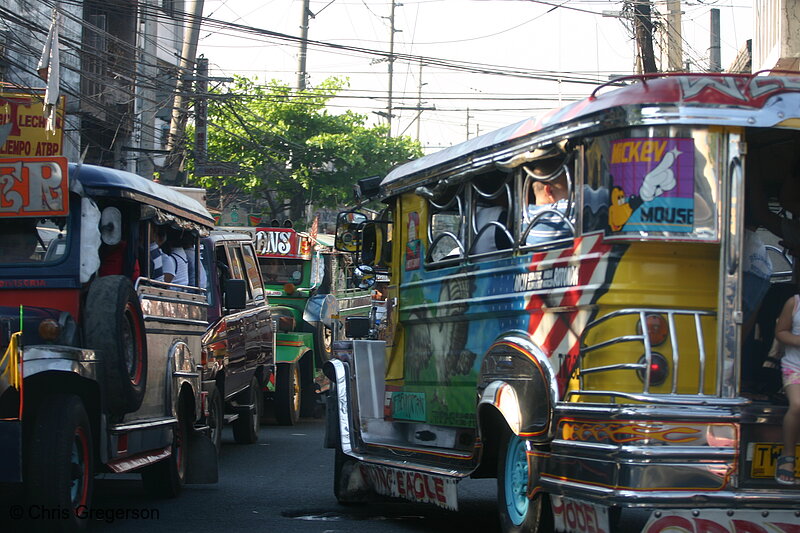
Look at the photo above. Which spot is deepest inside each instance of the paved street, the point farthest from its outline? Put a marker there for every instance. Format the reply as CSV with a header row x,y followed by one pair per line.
x,y
282,483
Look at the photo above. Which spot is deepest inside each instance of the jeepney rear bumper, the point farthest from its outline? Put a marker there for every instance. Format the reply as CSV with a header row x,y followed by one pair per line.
x,y
655,457
10,451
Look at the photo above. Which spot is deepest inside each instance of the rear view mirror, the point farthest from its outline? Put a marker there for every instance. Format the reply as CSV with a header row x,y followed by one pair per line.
x,y
235,294
348,231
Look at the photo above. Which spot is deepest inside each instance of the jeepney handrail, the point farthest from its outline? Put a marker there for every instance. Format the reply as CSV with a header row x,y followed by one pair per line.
x,y
667,399
644,338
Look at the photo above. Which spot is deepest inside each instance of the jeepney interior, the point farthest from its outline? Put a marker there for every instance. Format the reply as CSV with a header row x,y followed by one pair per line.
x,y
33,240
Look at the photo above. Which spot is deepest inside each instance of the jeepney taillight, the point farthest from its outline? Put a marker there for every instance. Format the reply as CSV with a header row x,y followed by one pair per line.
x,y
657,329
289,288
658,369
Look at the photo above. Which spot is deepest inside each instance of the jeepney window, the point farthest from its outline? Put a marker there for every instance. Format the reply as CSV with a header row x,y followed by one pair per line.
x,y
279,271
655,183
33,240
238,266
446,227
251,265
492,213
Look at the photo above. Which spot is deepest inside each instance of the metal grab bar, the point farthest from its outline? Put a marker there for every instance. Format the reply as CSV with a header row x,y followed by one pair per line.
x,y
644,338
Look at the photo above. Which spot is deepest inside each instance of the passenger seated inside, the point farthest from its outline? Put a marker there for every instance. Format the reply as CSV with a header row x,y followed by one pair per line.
x,y
492,210
546,217
19,240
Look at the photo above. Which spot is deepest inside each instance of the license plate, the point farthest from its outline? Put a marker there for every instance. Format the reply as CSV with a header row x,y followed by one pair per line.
x,y
576,516
765,457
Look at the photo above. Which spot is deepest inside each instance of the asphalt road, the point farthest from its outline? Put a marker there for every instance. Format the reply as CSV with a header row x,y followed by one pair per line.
x,y
283,483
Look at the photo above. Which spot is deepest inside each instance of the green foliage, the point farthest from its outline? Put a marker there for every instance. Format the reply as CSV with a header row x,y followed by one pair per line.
x,y
291,150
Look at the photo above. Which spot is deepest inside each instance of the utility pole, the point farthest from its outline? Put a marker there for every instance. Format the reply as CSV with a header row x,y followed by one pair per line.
x,y
146,98
468,117
715,61
674,36
301,68
419,99
644,36
175,144
391,67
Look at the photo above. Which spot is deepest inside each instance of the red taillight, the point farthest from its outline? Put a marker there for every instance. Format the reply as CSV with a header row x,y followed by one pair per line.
x,y
658,369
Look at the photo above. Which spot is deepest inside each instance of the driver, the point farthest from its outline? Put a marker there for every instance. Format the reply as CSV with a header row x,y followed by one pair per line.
x,y
19,240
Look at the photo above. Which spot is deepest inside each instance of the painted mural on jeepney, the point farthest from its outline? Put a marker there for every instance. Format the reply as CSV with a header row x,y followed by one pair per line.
x,y
450,321
653,185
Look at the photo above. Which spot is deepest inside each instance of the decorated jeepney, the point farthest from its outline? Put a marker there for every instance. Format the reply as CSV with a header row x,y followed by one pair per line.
x,y
100,356
593,352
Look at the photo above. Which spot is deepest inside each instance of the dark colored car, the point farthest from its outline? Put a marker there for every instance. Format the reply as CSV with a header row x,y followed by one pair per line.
x,y
239,346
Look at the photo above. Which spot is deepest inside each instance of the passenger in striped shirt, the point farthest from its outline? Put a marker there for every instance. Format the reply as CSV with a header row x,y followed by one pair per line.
x,y
551,194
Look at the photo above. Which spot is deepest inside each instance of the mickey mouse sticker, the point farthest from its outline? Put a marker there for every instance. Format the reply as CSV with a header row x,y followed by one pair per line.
x,y
661,172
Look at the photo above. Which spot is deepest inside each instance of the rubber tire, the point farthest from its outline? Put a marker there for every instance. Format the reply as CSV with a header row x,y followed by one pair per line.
x,y
114,327
61,438
245,428
288,394
216,419
166,478
517,512
323,342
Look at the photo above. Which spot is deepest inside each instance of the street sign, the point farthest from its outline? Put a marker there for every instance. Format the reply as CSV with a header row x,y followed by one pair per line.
x,y
216,168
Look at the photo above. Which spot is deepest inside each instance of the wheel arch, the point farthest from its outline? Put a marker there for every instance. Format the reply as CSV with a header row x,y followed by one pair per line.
x,y
517,389
42,384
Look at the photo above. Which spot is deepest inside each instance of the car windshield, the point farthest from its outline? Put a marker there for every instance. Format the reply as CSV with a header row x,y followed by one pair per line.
x,y
33,240
279,271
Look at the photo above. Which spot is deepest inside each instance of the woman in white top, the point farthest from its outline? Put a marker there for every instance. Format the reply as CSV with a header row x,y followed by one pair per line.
x,y
176,264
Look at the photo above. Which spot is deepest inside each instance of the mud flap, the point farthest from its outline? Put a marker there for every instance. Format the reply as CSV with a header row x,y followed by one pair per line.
x,y
202,464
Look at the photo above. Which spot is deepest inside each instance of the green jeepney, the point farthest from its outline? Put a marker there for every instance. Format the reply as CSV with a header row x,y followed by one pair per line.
x,y
308,285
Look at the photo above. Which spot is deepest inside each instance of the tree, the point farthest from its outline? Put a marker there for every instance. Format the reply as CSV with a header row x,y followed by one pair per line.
x,y
291,150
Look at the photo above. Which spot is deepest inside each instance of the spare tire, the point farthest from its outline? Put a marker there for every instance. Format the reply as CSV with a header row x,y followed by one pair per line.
x,y
114,327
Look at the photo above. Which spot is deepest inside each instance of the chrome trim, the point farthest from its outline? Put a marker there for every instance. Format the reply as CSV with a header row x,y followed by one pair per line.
x,y
346,439
184,374
116,429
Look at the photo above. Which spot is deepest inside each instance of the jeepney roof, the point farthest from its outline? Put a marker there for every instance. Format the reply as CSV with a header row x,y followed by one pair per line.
x,y
737,94
104,181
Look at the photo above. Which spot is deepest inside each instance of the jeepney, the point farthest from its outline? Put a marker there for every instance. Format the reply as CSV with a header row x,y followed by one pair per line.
x,y
589,354
100,365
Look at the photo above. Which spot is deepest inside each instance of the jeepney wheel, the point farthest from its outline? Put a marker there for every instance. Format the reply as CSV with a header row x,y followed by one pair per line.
x,y
518,513
114,327
216,418
323,340
166,478
59,466
245,428
288,394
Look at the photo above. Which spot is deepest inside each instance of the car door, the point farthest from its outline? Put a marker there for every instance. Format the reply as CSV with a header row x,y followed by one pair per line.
x,y
260,339
230,266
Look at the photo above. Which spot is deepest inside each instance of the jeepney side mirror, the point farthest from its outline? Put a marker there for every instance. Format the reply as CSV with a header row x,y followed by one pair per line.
x,y
348,231
111,226
235,294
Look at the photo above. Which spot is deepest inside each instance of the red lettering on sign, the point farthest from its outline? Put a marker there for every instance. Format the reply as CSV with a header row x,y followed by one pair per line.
x,y
439,484
707,526
788,528
746,526
667,522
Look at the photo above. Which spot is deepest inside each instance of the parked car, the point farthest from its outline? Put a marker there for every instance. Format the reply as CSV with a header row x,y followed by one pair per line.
x,y
239,345
98,371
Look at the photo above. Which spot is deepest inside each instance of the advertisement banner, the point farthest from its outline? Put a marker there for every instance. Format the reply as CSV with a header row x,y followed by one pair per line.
x,y
22,126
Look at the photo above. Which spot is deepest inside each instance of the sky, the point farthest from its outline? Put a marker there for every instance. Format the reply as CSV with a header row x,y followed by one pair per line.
x,y
515,58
